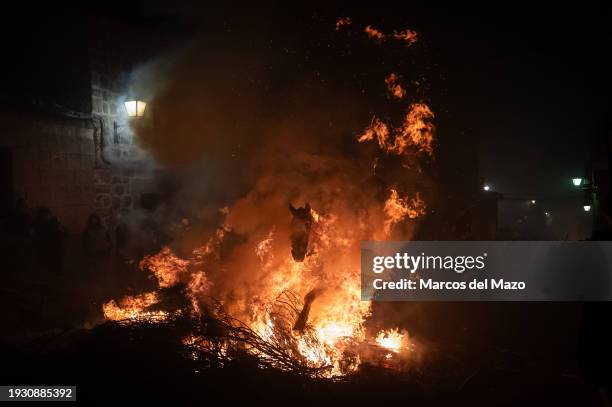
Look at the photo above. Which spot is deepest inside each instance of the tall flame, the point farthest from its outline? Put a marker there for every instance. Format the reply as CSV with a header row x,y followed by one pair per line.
x,y
415,133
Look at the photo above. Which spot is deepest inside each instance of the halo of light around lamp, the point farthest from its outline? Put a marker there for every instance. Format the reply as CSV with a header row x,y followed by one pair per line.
x,y
135,108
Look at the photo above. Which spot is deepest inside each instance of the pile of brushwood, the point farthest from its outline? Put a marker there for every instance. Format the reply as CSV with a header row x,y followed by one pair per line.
x,y
142,360
182,359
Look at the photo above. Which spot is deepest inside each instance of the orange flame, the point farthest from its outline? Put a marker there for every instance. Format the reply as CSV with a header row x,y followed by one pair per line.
x,y
330,273
343,21
393,340
377,129
373,33
132,307
416,132
258,269
394,87
408,36
397,209
165,266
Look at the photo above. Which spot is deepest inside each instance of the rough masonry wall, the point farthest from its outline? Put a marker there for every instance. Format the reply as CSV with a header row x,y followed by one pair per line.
x,y
121,176
53,164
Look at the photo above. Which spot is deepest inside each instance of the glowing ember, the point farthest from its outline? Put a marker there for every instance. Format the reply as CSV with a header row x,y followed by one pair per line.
x,y
394,87
343,21
373,33
408,36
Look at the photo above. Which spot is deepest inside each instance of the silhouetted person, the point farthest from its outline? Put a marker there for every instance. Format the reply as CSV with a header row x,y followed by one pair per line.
x,y
49,237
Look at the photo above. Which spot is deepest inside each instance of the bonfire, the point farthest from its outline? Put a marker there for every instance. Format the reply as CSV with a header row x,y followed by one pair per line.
x,y
279,278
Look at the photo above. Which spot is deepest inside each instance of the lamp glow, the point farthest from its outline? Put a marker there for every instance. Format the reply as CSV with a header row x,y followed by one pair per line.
x,y
135,108
587,208
577,181
533,201
486,187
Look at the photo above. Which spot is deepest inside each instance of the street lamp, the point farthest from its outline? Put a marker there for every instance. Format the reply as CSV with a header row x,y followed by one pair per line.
x,y
587,208
135,108
577,181
533,201
486,187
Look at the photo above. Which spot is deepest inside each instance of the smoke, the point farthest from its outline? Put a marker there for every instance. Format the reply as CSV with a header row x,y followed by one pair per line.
x,y
220,118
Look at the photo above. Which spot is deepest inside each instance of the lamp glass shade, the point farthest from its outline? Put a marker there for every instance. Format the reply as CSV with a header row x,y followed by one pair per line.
x,y
135,108
577,181
140,108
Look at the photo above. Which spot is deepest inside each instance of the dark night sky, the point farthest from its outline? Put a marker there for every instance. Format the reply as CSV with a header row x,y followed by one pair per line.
x,y
530,83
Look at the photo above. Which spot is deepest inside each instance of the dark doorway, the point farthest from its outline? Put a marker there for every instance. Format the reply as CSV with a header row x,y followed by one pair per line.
x,y
6,180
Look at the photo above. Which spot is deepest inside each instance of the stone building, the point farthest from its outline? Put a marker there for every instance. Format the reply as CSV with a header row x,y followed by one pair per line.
x,y
65,140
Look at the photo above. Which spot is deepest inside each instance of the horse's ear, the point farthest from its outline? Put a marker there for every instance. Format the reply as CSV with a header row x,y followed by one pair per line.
x,y
292,209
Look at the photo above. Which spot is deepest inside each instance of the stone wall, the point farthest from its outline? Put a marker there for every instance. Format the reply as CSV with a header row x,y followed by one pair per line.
x,y
121,163
53,163
112,149
121,171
